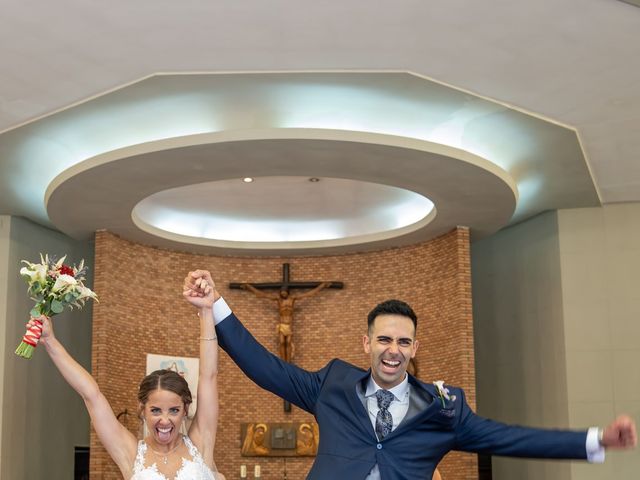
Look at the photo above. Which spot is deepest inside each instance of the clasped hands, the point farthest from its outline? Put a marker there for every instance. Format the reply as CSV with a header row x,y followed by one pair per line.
x,y
199,284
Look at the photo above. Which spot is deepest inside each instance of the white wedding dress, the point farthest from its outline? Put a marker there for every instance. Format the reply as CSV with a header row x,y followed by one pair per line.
x,y
193,469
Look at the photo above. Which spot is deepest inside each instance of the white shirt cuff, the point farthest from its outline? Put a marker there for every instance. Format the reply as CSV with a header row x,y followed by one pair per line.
x,y
595,451
221,311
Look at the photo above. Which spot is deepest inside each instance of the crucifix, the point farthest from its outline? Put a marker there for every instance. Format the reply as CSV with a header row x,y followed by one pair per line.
x,y
285,301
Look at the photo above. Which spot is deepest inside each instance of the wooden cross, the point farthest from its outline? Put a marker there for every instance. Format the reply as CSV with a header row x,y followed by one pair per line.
x,y
285,303
286,284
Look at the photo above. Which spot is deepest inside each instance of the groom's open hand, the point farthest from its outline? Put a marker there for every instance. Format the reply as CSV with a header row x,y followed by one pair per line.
x,y
621,433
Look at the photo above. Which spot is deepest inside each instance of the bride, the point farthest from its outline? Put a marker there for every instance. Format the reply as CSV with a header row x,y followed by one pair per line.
x,y
164,399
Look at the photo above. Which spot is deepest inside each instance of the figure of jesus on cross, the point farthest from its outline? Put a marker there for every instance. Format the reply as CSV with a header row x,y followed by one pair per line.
x,y
285,301
285,308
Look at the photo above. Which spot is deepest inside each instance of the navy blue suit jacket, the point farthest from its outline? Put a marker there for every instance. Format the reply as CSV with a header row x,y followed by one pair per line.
x,y
348,446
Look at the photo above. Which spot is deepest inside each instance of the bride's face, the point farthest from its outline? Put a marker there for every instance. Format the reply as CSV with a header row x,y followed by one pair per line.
x,y
164,413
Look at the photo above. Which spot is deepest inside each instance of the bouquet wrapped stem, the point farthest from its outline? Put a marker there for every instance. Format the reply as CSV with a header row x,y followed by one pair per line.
x,y
54,286
30,340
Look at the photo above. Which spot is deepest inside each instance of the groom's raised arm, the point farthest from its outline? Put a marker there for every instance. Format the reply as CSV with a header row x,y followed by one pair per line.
x,y
268,371
478,434
482,435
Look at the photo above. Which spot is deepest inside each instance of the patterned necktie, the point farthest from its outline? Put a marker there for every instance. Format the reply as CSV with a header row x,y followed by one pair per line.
x,y
384,421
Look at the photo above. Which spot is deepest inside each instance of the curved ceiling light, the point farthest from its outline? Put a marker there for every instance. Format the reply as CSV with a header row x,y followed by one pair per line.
x,y
282,209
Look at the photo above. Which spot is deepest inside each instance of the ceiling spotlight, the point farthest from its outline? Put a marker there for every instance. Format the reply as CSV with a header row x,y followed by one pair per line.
x,y
314,179
247,179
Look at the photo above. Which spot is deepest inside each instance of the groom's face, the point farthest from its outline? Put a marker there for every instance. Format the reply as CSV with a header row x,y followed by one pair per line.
x,y
390,343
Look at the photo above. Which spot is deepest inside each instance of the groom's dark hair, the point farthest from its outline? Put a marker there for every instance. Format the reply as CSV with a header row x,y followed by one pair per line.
x,y
392,307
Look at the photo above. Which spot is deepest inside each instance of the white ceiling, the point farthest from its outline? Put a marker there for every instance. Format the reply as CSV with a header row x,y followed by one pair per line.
x,y
572,63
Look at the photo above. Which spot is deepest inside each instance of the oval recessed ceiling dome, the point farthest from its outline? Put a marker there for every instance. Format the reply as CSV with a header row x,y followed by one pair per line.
x,y
282,209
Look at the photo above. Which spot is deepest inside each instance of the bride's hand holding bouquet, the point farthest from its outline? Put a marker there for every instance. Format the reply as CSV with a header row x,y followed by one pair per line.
x,y
53,286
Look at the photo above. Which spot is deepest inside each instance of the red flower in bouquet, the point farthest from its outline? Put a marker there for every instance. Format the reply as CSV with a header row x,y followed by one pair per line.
x,y
53,286
66,270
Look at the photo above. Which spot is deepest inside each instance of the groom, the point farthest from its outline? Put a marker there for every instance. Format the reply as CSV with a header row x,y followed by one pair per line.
x,y
386,424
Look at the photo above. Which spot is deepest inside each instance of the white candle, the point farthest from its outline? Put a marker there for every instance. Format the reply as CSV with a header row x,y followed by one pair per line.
x,y
243,471
256,471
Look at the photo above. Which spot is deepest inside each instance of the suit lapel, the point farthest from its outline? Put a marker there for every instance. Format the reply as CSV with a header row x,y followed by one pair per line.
x,y
421,404
358,402
419,401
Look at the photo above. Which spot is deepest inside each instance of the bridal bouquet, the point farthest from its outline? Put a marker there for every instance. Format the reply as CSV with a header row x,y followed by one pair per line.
x,y
53,286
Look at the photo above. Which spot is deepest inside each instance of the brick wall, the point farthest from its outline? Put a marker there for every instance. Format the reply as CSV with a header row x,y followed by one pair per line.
x,y
141,311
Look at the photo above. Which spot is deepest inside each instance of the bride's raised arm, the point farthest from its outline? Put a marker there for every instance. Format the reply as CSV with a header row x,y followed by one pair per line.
x,y
119,442
205,423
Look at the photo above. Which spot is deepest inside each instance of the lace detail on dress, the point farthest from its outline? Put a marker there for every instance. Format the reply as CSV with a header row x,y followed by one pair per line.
x,y
191,469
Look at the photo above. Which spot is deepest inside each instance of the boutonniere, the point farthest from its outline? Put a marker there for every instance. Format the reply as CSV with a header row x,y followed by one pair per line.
x,y
443,393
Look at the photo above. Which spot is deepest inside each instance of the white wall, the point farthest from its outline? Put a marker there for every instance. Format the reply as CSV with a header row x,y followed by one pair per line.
x,y
42,417
557,322
600,263
519,338
5,228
